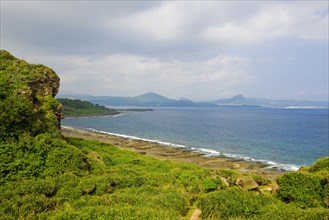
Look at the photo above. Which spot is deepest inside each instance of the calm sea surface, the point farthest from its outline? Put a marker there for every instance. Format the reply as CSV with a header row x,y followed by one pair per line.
x,y
283,138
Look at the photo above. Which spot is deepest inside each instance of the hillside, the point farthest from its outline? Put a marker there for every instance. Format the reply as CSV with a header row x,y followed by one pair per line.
x,y
44,175
75,107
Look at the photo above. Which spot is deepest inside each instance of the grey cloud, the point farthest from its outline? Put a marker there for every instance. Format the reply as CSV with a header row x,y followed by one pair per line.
x,y
183,30
111,47
60,27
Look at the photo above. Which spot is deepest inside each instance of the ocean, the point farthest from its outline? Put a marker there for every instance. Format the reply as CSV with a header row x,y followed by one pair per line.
x,y
281,138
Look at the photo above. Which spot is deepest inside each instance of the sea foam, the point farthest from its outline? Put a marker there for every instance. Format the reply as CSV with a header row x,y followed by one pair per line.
x,y
207,152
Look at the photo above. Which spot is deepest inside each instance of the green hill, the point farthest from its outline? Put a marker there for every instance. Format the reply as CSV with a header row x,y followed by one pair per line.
x,y
76,107
44,175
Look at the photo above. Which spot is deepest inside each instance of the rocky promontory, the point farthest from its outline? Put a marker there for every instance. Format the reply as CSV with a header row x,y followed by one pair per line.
x,y
27,94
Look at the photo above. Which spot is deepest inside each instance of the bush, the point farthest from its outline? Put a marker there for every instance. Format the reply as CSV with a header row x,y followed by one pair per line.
x,y
262,181
234,203
304,189
65,159
230,203
320,165
210,184
281,210
229,175
39,156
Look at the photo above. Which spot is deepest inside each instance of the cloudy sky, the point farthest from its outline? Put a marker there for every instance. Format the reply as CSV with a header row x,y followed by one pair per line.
x,y
202,50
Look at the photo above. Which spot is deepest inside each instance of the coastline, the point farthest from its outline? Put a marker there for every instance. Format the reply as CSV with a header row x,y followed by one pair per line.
x,y
171,152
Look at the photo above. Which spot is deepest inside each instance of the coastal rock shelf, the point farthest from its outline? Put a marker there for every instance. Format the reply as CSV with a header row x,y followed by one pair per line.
x,y
170,153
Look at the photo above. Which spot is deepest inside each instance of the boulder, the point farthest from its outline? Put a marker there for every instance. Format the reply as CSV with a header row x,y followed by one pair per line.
x,y
246,183
224,181
265,190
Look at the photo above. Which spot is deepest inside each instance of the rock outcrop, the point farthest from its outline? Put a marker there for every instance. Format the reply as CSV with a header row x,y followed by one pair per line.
x,y
27,97
246,182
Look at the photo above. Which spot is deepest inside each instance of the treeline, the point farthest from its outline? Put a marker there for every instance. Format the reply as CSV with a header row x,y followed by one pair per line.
x,y
76,107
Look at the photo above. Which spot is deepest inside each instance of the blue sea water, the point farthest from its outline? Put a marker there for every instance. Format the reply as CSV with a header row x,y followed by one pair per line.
x,y
282,138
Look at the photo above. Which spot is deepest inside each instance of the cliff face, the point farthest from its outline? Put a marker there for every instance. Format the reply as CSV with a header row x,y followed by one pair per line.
x,y
46,84
27,98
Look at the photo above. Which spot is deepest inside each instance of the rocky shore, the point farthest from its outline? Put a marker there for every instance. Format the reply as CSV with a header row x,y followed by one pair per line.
x,y
171,153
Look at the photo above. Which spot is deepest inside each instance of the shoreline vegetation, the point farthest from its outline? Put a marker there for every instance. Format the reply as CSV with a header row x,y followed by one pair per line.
x,y
79,108
229,188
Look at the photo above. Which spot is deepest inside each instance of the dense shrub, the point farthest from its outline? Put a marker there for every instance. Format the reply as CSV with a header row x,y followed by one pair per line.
x,y
229,175
279,211
262,181
321,164
16,116
39,156
210,184
304,189
232,202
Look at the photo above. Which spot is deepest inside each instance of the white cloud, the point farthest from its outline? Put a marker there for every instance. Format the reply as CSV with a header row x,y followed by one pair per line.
x,y
162,23
273,20
124,74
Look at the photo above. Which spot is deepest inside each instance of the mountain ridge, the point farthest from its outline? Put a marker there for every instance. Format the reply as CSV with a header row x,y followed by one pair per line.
x,y
240,100
151,96
151,99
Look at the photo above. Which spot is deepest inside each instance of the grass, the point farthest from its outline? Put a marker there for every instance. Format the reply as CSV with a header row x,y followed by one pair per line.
x,y
87,179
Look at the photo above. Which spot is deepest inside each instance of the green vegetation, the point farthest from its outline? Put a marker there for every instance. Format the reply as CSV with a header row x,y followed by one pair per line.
x,y
304,189
91,179
26,98
307,195
46,176
75,107
321,166
234,203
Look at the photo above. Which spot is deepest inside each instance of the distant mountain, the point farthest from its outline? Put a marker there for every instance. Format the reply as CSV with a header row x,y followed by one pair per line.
x,y
240,100
149,99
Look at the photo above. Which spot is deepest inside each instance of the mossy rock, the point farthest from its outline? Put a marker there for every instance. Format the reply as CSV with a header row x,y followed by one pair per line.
x,y
27,100
246,182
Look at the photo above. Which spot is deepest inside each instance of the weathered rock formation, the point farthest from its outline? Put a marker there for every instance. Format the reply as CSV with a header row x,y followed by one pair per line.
x,y
28,85
246,182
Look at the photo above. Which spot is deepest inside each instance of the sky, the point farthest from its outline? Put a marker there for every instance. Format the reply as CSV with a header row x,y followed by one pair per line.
x,y
200,50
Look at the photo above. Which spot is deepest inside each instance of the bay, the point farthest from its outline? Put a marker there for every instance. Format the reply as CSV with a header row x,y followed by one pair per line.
x,y
282,138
